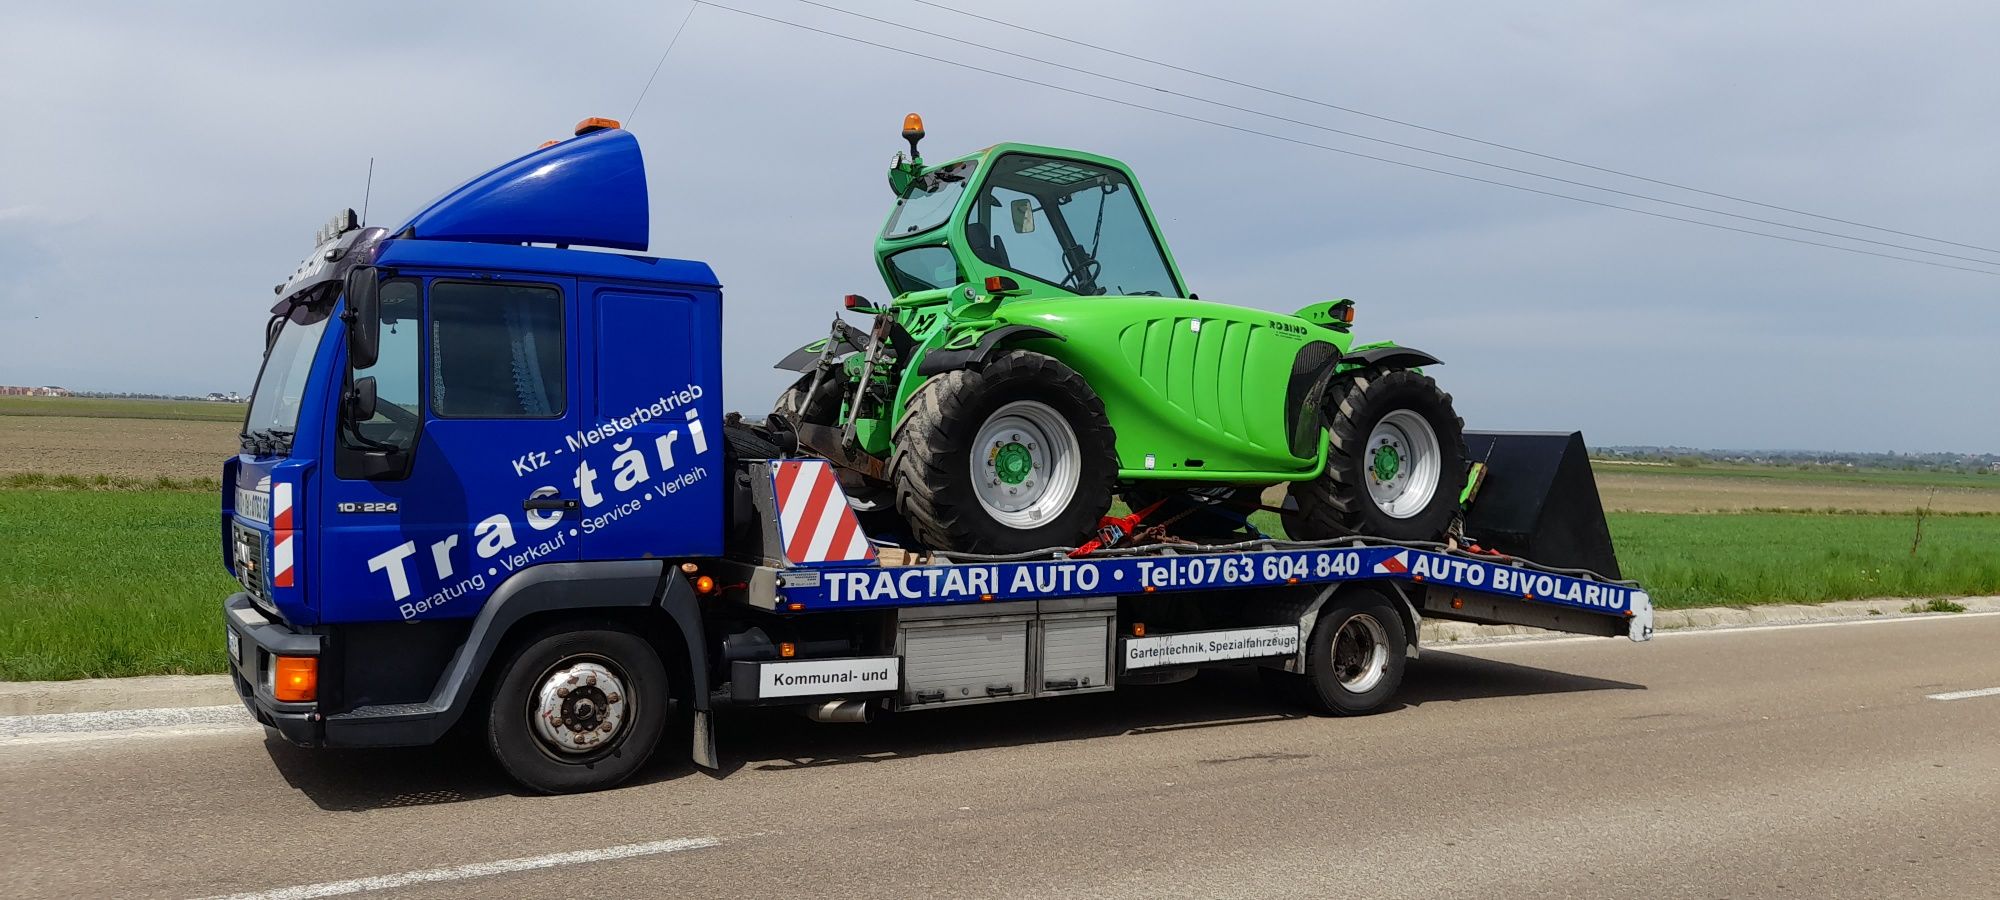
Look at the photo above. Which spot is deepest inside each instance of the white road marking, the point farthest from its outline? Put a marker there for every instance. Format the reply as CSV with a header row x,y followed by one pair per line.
x,y
43,739
473,870
1964,695
1702,631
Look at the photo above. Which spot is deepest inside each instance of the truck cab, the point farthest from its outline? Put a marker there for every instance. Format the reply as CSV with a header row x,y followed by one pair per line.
x,y
452,410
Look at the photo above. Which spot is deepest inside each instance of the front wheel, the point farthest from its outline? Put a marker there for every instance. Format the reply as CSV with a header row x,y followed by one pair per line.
x,y
1018,455
1395,461
578,709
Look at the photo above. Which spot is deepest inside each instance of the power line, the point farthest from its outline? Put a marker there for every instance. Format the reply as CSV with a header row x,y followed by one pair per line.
x,y
634,114
1425,150
1331,149
1451,134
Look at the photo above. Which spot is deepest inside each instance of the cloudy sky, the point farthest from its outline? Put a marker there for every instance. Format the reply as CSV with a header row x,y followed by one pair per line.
x,y
165,164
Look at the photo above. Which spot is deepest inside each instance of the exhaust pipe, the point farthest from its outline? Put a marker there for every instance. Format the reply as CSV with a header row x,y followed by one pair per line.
x,y
842,711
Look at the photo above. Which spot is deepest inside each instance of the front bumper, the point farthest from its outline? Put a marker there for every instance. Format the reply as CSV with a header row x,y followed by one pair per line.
x,y
260,639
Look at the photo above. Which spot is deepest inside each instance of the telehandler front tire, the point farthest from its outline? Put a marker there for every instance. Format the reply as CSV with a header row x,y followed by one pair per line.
x,y
1014,456
1395,461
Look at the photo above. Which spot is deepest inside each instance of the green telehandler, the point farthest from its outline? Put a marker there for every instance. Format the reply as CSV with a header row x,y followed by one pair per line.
x,y
1041,357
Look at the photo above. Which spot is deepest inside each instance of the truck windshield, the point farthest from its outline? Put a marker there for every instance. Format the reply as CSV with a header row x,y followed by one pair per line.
x,y
929,202
281,386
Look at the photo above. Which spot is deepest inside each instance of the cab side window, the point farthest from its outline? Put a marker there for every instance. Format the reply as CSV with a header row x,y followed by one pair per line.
x,y
497,351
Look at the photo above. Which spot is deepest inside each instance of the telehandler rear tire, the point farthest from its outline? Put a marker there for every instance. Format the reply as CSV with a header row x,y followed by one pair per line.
x,y
823,408
1014,456
1395,461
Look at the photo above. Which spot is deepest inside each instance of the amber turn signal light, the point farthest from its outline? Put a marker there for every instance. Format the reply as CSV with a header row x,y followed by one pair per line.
x,y
295,679
595,123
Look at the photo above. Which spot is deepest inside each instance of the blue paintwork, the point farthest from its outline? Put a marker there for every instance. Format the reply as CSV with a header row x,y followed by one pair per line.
x,y
646,488
545,261
588,191
638,443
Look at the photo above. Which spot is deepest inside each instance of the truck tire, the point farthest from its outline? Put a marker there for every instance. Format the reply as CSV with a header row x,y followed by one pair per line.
x,y
1014,456
1395,461
549,713
1355,656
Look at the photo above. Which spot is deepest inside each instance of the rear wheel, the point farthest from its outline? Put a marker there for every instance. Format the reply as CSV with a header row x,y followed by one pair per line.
x,y
1015,456
1395,461
578,709
821,408
1356,655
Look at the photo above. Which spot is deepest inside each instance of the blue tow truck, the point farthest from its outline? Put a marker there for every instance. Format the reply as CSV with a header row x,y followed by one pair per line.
x,y
486,483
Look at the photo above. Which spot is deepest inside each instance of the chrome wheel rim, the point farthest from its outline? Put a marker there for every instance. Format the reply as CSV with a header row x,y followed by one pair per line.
x,y
1360,654
580,706
1402,464
1024,464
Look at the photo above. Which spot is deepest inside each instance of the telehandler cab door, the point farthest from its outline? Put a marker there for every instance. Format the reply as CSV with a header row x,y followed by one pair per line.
x,y
1072,224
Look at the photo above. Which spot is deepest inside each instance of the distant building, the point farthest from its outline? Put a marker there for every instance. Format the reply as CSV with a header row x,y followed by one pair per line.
x,y
8,390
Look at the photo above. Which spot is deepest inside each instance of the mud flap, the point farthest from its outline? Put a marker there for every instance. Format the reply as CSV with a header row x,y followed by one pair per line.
x,y
703,749
1539,500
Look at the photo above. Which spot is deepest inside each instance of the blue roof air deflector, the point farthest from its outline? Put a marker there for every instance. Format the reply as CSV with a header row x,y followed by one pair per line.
x,y
588,191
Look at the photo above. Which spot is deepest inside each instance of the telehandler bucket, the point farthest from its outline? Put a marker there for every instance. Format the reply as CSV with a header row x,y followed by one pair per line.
x,y
1539,500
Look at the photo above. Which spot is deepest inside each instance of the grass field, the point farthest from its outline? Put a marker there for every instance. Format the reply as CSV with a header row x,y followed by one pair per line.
x,y
99,583
1746,558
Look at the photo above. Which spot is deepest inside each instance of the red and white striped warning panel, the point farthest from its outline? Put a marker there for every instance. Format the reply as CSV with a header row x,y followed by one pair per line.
x,y
815,523
1394,565
282,535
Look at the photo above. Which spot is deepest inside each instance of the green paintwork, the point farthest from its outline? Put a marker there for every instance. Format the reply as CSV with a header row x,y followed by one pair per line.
x,y
1012,462
1387,463
1199,387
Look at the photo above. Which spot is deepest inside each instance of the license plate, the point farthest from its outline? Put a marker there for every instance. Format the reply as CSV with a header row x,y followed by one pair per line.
x,y
235,646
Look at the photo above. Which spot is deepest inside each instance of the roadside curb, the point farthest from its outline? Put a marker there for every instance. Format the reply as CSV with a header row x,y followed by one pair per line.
x,y
1437,632
33,698
30,698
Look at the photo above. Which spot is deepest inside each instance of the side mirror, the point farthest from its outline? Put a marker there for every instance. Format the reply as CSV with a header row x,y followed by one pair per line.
x,y
363,318
1023,211
361,400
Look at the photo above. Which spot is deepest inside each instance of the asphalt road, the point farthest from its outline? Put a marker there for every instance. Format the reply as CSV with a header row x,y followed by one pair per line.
x,y
1803,761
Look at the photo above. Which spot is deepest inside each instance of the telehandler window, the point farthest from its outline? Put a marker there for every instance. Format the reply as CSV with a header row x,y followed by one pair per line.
x,y
923,269
497,351
929,201
1081,229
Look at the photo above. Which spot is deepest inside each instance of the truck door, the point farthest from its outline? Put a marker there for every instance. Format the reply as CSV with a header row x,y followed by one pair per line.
x,y
653,424
465,475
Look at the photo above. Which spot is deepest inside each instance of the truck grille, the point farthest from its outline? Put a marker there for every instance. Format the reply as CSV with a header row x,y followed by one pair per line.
x,y
252,562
